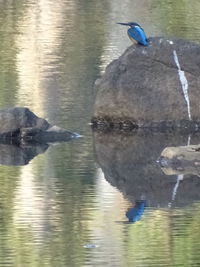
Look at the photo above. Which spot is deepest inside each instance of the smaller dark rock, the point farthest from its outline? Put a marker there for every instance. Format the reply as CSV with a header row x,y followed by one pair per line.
x,y
20,123
13,119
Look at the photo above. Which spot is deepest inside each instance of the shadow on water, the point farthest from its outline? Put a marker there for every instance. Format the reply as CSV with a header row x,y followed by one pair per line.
x,y
129,162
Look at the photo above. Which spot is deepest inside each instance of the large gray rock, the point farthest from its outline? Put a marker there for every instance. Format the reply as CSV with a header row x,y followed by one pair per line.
x,y
153,86
21,124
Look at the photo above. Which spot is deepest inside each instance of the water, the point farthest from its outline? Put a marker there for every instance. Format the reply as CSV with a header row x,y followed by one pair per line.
x,y
67,206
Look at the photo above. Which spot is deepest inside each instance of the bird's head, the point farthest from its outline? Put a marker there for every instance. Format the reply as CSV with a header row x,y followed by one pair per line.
x,y
130,24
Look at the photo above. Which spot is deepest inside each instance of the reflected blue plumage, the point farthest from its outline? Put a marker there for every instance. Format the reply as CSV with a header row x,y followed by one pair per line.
x,y
134,214
135,32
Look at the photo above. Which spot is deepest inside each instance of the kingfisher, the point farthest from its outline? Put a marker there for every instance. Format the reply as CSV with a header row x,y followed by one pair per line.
x,y
136,33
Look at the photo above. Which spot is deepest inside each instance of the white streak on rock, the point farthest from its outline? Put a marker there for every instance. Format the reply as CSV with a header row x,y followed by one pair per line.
x,y
175,189
170,42
184,83
189,140
144,52
179,178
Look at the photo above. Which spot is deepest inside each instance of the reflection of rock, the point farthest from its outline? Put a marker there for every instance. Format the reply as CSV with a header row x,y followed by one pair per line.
x,y
129,163
16,155
21,123
147,87
181,160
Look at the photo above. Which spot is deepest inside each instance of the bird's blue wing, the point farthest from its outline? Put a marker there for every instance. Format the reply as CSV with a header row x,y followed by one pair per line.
x,y
138,34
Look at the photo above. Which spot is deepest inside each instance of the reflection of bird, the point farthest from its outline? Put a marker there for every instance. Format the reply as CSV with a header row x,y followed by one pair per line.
x,y
134,214
135,32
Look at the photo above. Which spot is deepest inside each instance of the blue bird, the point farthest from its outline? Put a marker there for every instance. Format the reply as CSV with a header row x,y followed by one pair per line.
x,y
135,32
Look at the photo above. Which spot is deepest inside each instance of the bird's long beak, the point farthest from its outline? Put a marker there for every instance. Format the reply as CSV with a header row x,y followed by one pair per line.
x,y
121,23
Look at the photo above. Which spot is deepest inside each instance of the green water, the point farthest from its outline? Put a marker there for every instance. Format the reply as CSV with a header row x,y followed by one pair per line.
x,y
75,195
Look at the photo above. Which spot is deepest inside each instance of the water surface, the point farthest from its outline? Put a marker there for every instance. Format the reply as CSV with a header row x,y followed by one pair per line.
x,y
67,206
